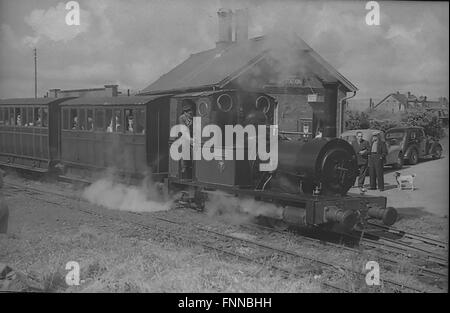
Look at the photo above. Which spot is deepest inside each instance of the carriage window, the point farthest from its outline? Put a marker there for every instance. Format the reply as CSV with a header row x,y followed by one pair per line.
x,y
44,117
82,118
17,117
90,120
12,120
6,118
140,121
74,120
109,121
37,113
24,116
65,119
99,120
2,122
30,119
118,120
129,121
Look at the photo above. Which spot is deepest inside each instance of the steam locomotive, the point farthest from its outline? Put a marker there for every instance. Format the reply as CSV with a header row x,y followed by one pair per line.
x,y
81,137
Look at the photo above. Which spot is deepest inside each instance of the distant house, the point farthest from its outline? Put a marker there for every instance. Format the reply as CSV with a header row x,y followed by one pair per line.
x,y
396,102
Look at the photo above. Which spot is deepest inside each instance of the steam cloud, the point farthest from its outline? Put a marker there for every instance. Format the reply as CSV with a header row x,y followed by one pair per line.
x,y
113,195
237,211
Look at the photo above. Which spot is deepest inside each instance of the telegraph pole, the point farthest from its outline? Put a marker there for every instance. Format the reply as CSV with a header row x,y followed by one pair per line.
x,y
35,73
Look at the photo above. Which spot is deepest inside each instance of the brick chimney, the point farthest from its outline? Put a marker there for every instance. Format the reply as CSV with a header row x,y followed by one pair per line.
x,y
225,28
241,25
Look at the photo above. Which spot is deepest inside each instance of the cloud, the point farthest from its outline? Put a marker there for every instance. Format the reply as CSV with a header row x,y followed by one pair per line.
x,y
51,24
136,41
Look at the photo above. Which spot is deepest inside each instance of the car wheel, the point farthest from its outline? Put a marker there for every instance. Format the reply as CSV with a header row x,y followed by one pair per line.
x,y
437,153
413,157
399,164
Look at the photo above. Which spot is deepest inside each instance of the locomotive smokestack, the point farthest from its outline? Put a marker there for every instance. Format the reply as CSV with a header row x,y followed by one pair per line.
x,y
241,26
225,28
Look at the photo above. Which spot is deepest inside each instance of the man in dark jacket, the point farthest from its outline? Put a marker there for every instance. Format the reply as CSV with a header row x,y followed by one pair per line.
x,y
377,157
362,149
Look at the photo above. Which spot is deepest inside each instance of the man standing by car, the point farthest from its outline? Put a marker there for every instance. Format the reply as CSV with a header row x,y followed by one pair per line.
x,y
377,157
362,148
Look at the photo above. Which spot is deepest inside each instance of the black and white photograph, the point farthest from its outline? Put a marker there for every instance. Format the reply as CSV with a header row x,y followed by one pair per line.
x,y
224,153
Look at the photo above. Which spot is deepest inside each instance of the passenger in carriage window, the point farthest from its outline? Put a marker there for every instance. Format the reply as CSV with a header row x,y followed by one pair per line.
x,y
110,127
76,123
130,124
118,126
129,121
19,120
90,120
90,123
38,117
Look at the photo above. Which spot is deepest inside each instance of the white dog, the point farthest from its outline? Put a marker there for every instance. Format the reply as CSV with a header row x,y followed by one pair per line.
x,y
403,179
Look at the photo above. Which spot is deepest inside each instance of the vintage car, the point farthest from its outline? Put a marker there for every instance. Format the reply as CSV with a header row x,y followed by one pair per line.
x,y
414,144
394,157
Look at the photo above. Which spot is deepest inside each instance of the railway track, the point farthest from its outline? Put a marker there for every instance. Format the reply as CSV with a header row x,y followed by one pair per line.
x,y
219,242
419,270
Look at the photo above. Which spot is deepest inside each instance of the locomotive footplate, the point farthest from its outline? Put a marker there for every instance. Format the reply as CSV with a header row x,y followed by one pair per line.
x,y
337,212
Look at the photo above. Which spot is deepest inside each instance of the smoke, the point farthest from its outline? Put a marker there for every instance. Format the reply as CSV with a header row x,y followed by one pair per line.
x,y
108,192
239,210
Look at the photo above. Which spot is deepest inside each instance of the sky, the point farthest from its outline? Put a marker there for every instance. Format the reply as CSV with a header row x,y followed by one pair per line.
x,y
133,42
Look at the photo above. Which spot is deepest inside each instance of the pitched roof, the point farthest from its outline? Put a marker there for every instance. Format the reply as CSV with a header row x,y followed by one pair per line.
x,y
403,99
120,100
31,101
219,66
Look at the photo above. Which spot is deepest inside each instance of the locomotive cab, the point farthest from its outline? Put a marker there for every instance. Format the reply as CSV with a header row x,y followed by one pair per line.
x,y
229,163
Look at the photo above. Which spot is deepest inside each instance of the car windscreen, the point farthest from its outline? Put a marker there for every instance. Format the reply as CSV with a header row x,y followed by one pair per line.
x,y
395,135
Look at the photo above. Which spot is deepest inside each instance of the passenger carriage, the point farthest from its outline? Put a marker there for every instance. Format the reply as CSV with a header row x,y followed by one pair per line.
x,y
129,134
29,133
